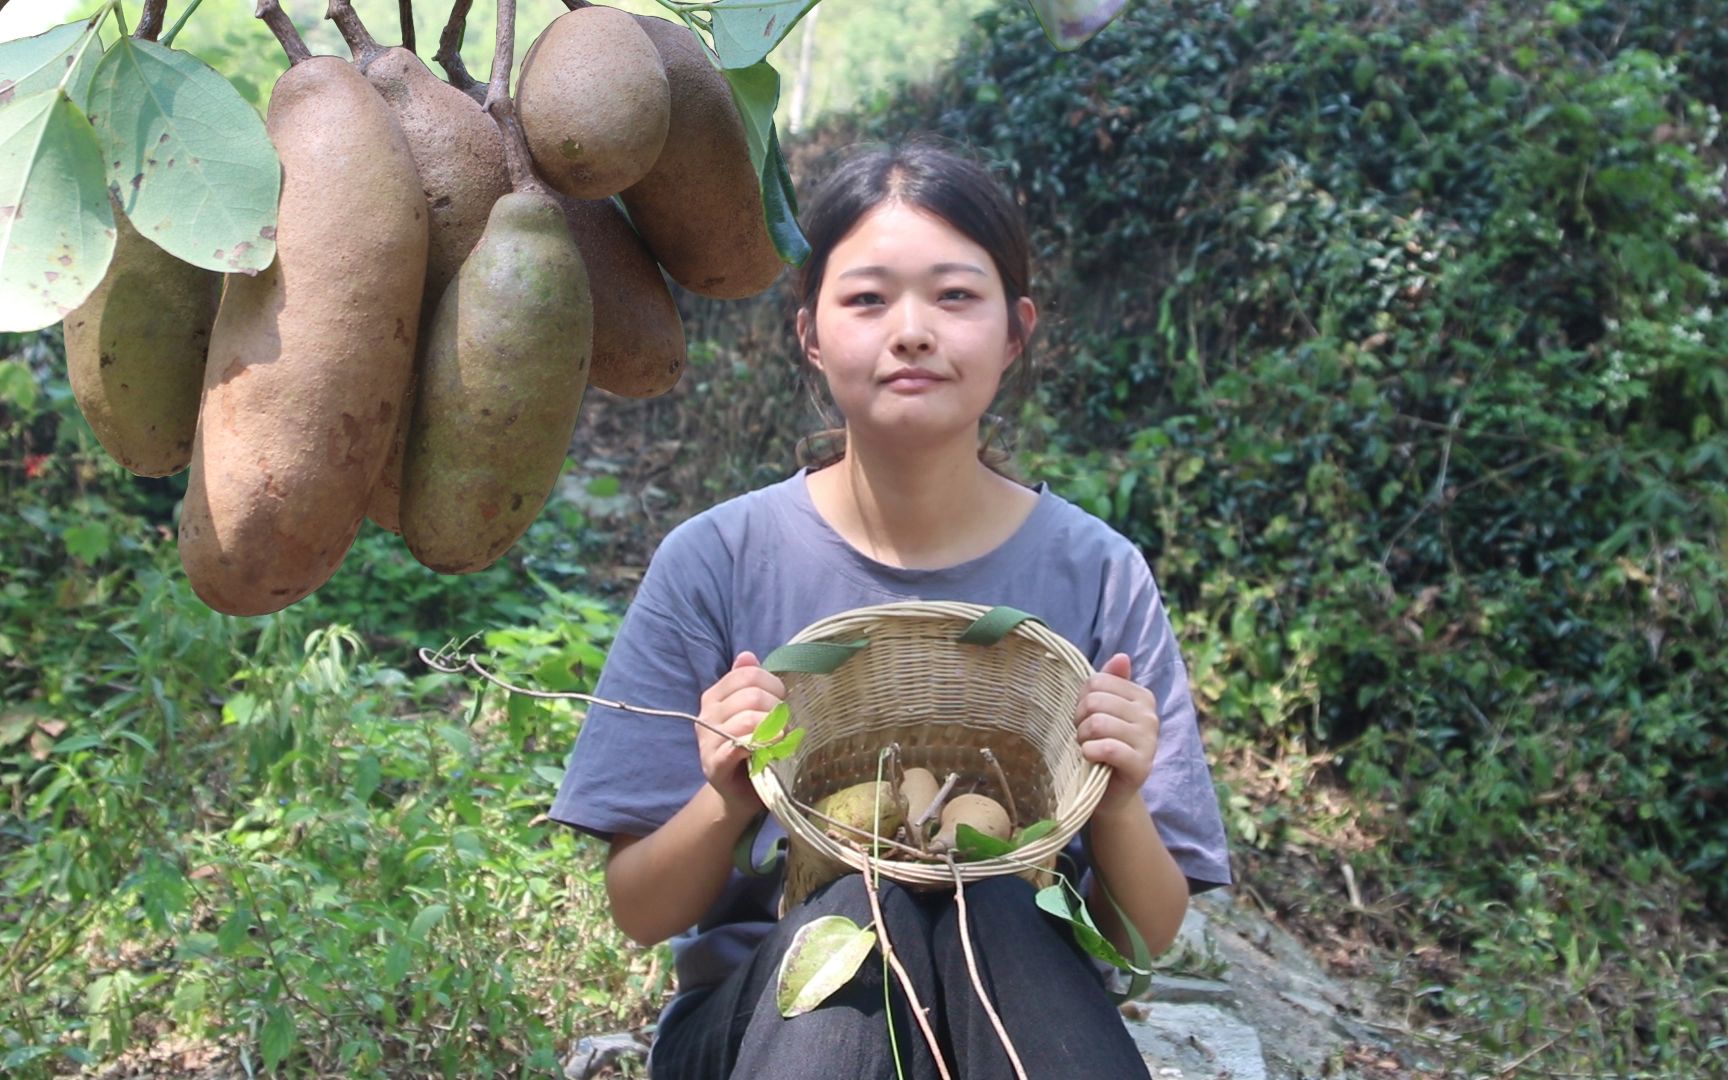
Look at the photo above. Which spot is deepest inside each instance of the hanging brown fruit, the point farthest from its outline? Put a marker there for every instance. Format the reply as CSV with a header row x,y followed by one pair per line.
x,y
593,102
135,353
308,359
460,158
700,207
638,336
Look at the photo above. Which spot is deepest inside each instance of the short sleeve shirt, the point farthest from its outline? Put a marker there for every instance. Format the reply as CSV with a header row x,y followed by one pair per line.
x,y
751,572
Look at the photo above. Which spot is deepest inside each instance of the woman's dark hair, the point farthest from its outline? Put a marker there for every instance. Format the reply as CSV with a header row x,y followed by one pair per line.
x,y
940,181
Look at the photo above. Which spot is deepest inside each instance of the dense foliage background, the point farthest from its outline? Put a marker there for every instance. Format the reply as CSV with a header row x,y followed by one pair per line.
x,y
1394,332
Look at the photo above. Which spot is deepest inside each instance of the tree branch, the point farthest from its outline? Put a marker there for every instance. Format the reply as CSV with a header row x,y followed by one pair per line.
x,y
442,661
972,970
1002,782
405,14
449,55
503,110
283,27
905,979
361,44
150,20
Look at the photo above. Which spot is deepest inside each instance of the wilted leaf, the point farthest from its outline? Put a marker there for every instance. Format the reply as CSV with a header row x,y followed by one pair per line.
x,y
1069,24
56,227
1063,902
15,726
824,954
746,31
187,157
33,64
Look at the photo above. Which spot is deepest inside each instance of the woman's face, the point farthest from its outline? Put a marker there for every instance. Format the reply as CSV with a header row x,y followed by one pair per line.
x,y
910,329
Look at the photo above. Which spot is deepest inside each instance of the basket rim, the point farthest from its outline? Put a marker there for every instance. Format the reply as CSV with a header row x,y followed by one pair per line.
x,y
772,789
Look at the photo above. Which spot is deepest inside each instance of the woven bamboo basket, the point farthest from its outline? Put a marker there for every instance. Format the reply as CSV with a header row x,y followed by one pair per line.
x,y
914,682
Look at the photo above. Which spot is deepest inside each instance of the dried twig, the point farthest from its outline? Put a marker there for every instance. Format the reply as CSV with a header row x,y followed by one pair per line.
x,y
283,27
449,54
905,979
150,20
935,806
442,661
1002,782
972,970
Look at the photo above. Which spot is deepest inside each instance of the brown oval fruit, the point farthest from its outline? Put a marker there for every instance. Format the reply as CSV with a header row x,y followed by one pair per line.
x,y
593,102
979,811
700,207
459,155
919,786
308,359
638,335
135,353
499,394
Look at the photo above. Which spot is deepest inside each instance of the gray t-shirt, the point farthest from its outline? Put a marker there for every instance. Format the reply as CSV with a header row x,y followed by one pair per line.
x,y
753,571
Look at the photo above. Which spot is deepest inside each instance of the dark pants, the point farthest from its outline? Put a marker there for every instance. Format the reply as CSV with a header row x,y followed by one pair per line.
x,y
1048,994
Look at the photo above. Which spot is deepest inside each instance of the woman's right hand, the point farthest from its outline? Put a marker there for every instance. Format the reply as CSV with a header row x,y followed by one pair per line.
x,y
736,704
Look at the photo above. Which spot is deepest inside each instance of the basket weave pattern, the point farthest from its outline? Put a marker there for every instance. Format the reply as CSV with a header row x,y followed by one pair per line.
x,y
942,701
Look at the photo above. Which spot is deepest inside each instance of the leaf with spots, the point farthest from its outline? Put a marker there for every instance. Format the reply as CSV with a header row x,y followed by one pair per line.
x,y
56,226
824,955
187,157
746,31
30,64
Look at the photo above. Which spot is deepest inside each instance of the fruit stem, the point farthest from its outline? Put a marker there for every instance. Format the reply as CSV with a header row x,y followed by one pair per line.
x,y
1002,782
449,54
283,27
150,20
935,806
503,110
405,15
361,44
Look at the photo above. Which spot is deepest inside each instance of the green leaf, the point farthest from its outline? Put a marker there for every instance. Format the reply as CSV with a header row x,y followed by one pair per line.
x,y
550,774
603,486
430,915
746,31
756,92
1070,24
1063,902
56,227
33,64
88,542
187,157
277,1038
18,386
969,844
780,206
1038,830
824,954
771,726
234,931
763,756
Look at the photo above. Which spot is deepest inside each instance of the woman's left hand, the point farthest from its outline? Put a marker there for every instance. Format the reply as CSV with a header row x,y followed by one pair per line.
x,y
1117,724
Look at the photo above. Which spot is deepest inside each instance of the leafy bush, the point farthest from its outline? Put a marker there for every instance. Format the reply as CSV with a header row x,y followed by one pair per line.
x,y
1394,333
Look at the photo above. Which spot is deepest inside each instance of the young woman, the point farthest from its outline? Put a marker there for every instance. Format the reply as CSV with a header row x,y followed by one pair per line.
x,y
914,305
